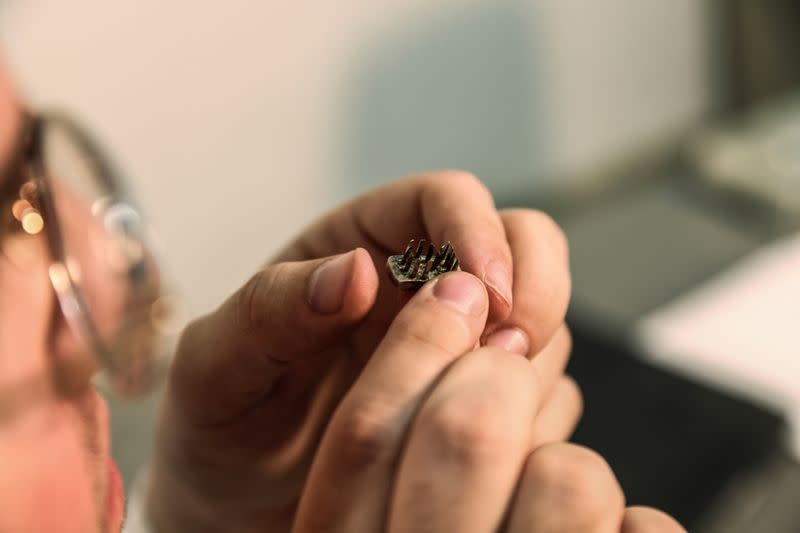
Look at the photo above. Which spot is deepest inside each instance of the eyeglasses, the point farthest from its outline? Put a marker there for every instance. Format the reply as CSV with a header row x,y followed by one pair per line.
x,y
67,189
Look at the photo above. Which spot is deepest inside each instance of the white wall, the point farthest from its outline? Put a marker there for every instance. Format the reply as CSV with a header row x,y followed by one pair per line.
x,y
239,123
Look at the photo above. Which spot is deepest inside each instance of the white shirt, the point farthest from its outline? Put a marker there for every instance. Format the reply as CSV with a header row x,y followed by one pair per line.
x,y
136,518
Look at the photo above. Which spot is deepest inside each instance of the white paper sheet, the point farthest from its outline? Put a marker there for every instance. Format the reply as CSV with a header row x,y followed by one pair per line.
x,y
741,330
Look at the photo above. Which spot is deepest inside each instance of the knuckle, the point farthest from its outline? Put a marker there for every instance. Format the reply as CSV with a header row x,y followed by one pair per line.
x,y
507,375
581,476
186,376
470,431
246,301
365,434
546,225
425,334
483,422
539,223
459,179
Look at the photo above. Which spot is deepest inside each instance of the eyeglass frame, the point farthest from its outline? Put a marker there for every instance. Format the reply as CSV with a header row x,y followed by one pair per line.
x,y
31,165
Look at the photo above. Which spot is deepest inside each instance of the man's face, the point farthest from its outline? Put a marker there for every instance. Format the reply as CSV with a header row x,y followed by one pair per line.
x,y
56,473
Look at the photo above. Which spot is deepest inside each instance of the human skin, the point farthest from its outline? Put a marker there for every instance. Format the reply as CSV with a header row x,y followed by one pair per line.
x,y
330,352
336,431
57,474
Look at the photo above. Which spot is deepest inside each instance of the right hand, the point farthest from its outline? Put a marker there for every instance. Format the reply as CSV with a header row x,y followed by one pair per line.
x,y
477,451
255,382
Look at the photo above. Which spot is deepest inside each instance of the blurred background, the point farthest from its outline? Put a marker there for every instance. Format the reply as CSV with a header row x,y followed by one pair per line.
x,y
663,136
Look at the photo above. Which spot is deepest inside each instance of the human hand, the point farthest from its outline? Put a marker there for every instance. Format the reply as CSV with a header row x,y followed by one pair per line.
x,y
476,450
254,383
568,488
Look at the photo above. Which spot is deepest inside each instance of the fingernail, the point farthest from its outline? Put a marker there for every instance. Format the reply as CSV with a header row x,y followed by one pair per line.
x,y
329,282
462,291
499,280
510,339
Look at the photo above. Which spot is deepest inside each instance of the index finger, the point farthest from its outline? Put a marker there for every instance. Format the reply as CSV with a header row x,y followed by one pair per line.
x,y
542,285
445,206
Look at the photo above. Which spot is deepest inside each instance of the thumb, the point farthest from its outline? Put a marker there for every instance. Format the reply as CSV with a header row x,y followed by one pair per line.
x,y
285,313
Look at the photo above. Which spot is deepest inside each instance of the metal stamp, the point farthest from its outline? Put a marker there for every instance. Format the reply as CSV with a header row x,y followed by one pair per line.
x,y
420,263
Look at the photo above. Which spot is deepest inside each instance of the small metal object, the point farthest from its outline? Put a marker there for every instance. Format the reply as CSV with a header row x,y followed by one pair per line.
x,y
419,264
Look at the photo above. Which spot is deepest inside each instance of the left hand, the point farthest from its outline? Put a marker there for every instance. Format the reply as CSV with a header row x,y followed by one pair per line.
x,y
254,383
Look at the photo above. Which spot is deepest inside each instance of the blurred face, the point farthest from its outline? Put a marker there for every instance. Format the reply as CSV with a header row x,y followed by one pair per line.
x,y
56,472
